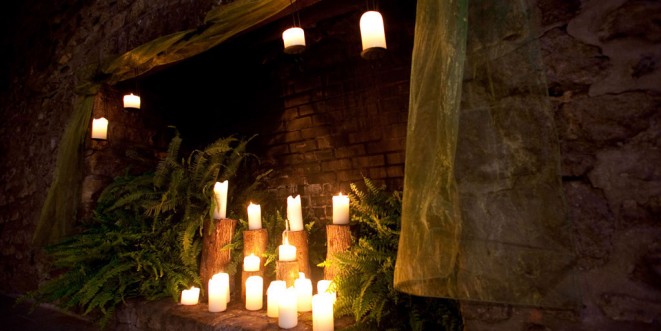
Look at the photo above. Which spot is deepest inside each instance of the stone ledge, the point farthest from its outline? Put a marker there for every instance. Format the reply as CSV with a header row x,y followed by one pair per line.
x,y
166,315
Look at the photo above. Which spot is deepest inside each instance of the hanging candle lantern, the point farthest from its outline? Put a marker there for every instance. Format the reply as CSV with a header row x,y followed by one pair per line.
x,y
372,35
100,128
131,102
294,40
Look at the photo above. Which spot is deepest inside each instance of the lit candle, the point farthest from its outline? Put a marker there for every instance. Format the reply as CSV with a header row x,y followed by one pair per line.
x,y
131,101
274,292
340,209
220,192
100,128
254,293
251,263
322,312
303,288
294,213
254,217
287,311
294,40
191,296
286,252
218,292
324,287
371,30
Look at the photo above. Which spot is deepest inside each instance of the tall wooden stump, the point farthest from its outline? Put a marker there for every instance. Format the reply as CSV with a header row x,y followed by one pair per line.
x,y
254,242
287,271
338,239
300,240
214,259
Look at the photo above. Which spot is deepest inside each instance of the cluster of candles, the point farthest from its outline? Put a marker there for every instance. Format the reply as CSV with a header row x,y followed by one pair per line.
x,y
283,303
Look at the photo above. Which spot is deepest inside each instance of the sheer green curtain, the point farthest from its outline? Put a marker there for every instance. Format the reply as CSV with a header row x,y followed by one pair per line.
x,y
483,211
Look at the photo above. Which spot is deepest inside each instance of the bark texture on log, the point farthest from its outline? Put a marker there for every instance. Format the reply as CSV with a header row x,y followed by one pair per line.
x,y
214,259
300,240
287,271
255,242
338,239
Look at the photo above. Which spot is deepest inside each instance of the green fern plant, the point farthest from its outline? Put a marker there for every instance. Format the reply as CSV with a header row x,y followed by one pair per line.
x,y
365,282
145,236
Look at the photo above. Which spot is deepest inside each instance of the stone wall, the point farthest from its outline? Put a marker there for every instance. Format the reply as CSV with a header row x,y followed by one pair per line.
x,y
601,60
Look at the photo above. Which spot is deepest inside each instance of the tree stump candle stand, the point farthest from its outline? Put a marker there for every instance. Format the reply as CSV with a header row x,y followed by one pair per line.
x,y
287,271
338,239
299,239
214,258
254,242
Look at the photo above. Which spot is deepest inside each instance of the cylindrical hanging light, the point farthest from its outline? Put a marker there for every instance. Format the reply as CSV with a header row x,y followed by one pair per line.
x,y
100,128
131,102
372,34
294,40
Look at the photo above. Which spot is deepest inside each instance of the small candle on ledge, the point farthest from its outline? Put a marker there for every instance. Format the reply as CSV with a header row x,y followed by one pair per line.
x,y
274,292
254,217
303,288
220,193
100,128
287,309
340,209
322,312
254,293
191,296
218,292
251,263
286,252
294,213
131,101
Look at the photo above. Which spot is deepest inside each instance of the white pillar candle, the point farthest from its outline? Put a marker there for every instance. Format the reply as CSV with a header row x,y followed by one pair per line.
x,y
131,101
294,40
218,293
324,287
322,313
100,128
191,296
294,213
287,309
340,209
220,192
254,293
286,252
371,30
251,263
274,292
303,288
254,217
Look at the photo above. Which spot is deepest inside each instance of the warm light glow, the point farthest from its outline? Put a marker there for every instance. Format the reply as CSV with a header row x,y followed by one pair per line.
x,y
294,40
220,192
324,286
303,288
191,296
294,213
286,252
131,101
275,291
254,217
322,312
287,312
218,292
254,293
251,263
372,32
100,128
340,209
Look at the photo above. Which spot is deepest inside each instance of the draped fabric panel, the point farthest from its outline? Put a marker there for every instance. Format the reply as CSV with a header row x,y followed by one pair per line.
x,y
484,217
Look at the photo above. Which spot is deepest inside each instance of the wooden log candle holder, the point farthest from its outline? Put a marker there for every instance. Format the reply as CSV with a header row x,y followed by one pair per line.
x,y
254,242
338,239
287,271
214,259
299,239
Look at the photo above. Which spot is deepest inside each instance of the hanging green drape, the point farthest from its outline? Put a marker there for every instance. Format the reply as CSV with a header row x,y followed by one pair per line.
x,y
483,214
58,215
